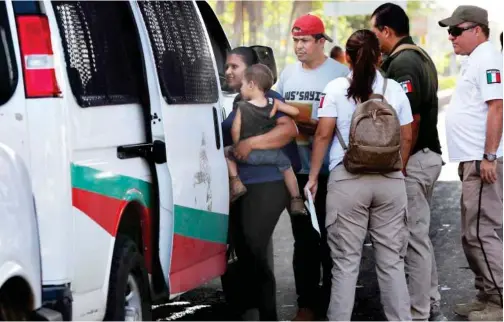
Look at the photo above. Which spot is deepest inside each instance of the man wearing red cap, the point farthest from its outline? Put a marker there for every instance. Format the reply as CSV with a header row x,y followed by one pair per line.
x,y
302,85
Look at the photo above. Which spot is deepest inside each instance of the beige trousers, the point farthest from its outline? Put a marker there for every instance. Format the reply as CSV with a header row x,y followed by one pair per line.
x,y
357,204
423,169
490,223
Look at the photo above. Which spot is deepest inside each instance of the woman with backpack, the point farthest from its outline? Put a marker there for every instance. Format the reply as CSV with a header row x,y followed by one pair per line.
x,y
370,118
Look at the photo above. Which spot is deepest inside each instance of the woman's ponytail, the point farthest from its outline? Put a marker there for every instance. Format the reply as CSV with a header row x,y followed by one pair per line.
x,y
363,49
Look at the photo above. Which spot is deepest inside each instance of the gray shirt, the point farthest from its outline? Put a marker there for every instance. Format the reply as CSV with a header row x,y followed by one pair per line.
x,y
303,89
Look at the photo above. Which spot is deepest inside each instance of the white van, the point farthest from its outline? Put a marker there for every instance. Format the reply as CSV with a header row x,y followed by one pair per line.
x,y
115,107
20,276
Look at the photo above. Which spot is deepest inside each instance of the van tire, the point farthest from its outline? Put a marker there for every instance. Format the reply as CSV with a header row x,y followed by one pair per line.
x,y
127,261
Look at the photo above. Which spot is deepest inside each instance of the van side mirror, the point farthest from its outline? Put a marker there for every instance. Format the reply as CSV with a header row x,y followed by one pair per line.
x,y
266,57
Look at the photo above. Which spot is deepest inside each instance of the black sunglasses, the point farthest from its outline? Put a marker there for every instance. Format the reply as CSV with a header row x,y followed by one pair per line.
x,y
457,31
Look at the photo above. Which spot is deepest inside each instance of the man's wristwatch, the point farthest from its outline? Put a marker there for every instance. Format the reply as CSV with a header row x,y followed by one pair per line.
x,y
490,157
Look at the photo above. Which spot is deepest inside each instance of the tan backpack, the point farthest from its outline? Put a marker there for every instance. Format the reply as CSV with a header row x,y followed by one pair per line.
x,y
375,137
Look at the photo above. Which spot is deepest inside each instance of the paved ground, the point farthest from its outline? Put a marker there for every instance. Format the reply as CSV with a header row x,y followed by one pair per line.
x,y
456,280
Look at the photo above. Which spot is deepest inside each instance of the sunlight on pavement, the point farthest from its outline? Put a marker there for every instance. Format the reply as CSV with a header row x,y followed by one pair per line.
x,y
188,311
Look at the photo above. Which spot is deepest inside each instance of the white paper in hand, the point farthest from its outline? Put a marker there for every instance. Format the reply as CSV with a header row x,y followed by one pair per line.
x,y
311,209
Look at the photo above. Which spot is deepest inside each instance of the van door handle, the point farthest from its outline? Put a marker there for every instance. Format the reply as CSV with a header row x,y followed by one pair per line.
x,y
216,128
155,151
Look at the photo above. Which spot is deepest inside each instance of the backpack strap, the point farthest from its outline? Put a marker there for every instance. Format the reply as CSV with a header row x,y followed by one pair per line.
x,y
338,133
380,96
340,139
411,47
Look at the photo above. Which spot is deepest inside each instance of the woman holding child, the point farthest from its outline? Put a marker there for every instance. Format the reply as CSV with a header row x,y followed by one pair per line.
x,y
258,190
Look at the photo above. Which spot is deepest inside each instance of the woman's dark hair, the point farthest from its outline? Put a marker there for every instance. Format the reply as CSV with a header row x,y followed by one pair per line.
x,y
364,50
248,54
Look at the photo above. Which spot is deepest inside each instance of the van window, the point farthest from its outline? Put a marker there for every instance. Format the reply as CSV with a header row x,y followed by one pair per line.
x,y
218,39
183,57
101,47
8,67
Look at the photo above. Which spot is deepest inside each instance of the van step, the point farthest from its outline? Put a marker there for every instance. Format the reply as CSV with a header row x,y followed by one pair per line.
x,y
45,314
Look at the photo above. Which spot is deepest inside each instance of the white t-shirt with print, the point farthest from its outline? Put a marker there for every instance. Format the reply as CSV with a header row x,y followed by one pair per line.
x,y
466,117
336,104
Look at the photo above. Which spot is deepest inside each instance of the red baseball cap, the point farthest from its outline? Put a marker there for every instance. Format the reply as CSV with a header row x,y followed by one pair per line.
x,y
309,25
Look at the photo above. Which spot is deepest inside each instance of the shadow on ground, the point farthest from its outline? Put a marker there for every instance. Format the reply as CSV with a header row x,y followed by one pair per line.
x,y
455,279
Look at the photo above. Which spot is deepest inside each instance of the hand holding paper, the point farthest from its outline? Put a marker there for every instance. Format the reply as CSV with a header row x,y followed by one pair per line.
x,y
311,209
311,186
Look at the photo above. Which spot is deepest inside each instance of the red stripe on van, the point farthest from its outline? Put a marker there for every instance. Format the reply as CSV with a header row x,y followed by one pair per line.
x,y
189,251
198,274
103,210
107,211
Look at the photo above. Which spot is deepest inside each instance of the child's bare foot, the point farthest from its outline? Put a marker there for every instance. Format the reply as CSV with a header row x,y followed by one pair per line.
x,y
236,188
297,206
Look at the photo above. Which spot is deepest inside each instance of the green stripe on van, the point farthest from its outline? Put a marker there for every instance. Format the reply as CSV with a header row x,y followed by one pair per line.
x,y
189,222
210,226
108,183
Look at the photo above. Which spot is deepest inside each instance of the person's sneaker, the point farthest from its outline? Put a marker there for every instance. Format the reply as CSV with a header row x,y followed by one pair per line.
x,y
304,314
297,206
436,314
492,312
236,188
466,308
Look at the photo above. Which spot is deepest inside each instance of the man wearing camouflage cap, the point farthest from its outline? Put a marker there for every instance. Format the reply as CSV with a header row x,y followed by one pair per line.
x,y
474,137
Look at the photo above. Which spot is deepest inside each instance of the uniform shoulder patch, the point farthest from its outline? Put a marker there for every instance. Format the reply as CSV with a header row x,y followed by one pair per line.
x,y
407,86
321,102
493,76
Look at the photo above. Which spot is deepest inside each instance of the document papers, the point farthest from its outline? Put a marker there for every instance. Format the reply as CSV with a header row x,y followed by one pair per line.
x,y
311,209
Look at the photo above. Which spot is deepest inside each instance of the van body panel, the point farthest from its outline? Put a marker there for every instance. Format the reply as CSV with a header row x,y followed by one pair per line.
x,y
19,236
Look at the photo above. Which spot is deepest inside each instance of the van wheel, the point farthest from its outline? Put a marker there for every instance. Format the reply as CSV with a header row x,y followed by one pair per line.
x,y
129,294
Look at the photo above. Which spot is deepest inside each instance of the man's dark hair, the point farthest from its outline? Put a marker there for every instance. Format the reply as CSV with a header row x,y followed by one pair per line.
x,y
501,40
336,51
485,30
392,16
261,75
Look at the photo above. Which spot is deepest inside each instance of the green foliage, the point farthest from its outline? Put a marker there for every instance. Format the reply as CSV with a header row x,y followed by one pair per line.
x,y
447,82
268,23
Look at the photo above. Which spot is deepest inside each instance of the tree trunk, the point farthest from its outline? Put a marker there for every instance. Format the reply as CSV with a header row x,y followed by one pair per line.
x,y
237,24
255,17
298,8
219,8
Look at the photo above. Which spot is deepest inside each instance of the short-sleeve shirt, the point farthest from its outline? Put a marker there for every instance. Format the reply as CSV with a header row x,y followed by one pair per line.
x,y
336,104
303,88
250,174
479,81
418,76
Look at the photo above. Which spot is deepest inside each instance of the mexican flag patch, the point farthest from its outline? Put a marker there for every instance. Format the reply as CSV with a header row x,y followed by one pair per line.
x,y
407,87
493,76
